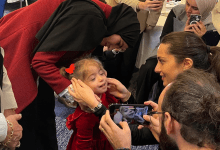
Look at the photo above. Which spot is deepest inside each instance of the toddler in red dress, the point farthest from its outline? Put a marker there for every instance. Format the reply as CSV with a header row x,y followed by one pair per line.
x,y
86,134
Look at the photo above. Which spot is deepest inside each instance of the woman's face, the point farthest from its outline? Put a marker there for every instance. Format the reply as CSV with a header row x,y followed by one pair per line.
x,y
167,66
114,42
191,8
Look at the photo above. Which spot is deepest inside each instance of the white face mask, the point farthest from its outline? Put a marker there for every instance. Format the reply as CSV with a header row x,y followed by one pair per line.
x,y
216,17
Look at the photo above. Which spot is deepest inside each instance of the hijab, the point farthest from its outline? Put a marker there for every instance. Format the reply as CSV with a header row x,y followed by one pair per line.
x,y
216,17
84,30
205,7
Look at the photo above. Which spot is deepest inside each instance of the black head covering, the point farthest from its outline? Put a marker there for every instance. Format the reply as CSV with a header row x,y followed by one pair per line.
x,y
81,26
123,21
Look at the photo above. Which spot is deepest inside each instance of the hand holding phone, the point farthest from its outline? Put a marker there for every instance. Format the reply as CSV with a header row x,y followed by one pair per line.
x,y
131,113
194,18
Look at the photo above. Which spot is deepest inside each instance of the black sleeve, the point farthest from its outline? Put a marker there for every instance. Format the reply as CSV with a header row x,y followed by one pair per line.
x,y
99,113
142,136
211,38
168,26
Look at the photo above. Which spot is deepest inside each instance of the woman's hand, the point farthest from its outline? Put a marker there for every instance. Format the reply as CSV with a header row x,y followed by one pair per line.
x,y
83,94
150,5
198,28
154,125
119,138
117,89
17,132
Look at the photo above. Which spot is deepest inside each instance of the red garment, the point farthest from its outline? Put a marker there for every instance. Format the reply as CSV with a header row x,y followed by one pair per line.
x,y
51,54
86,134
18,30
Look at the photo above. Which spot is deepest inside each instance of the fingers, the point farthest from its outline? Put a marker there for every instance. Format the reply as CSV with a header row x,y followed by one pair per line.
x,y
151,103
124,125
98,99
140,127
104,127
112,81
152,120
157,8
18,116
187,22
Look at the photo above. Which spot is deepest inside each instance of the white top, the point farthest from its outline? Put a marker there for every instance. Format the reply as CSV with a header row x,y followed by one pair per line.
x,y
12,1
3,127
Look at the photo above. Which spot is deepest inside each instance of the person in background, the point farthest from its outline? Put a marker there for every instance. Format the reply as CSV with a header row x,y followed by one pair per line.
x,y
122,65
178,20
216,17
10,129
187,115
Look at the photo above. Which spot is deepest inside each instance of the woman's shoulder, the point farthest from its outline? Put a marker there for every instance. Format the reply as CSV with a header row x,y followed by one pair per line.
x,y
179,9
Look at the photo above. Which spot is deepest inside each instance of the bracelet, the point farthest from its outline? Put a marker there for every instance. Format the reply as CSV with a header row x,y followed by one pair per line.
x,y
12,132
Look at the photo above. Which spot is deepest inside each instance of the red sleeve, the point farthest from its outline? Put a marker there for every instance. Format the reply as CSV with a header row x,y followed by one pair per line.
x,y
84,136
44,64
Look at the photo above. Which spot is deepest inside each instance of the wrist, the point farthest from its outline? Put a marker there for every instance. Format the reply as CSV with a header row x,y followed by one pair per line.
x,y
128,95
10,134
93,104
98,106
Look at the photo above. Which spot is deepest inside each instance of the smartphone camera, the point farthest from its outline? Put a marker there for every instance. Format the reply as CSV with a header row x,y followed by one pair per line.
x,y
194,18
131,113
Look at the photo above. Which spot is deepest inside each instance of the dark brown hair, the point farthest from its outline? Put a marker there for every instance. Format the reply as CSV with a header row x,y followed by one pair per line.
x,y
193,99
189,45
81,68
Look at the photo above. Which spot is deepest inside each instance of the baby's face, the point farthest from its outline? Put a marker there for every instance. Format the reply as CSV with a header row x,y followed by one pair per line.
x,y
96,79
216,17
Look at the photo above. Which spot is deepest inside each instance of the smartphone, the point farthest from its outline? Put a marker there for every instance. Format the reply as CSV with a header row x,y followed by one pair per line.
x,y
131,113
194,18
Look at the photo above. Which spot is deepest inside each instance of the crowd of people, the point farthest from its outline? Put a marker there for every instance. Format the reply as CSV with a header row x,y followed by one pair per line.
x,y
58,47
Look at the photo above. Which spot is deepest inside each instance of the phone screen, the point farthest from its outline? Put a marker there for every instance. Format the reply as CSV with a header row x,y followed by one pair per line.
x,y
194,18
131,113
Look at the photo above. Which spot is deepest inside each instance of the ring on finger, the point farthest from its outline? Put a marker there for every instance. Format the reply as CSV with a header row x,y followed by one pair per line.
x,y
102,129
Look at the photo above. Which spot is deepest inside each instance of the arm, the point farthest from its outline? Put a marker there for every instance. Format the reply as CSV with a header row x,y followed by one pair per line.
x,y
119,138
168,26
8,103
44,64
153,17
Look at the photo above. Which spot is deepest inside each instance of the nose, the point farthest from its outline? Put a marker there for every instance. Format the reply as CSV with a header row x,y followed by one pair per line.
x,y
157,68
100,78
189,10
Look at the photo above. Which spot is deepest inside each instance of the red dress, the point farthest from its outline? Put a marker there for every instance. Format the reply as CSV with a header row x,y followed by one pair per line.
x,y
86,135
